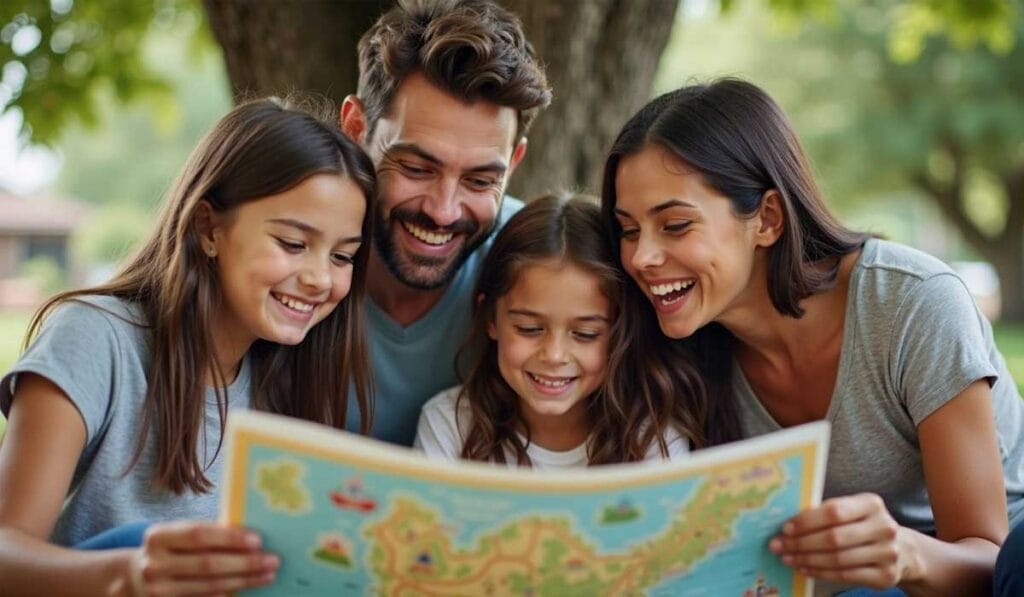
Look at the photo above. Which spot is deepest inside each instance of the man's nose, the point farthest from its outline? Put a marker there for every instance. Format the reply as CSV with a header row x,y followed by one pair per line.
x,y
443,206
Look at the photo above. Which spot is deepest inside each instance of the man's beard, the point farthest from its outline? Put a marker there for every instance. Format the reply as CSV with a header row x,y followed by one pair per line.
x,y
419,271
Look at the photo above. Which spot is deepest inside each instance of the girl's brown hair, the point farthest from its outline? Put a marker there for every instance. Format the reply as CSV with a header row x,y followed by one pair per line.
x,y
569,230
742,145
261,148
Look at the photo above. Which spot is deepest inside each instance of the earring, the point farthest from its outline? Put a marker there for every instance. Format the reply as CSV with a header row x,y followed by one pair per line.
x,y
211,251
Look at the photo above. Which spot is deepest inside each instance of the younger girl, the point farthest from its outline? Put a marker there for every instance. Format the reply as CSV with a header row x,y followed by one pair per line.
x,y
545,319
117,407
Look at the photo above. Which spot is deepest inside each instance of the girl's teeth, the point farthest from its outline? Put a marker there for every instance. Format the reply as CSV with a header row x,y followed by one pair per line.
x,y
551,383
294,304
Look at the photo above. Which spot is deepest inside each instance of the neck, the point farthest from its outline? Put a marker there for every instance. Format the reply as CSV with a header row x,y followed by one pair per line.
x,y
783,340
402,303
230,349
559,433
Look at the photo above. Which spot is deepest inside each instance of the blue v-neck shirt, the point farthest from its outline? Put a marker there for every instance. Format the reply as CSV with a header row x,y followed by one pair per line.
x,y
412,363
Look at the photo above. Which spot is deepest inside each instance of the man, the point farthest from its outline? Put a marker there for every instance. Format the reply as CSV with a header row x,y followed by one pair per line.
x,y
447,91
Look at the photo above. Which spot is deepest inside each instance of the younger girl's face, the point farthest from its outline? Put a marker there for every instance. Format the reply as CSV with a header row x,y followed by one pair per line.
x,y
285,261
551,331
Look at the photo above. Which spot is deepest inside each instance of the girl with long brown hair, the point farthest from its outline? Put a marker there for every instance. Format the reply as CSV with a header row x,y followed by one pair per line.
x,y
247,295
545,320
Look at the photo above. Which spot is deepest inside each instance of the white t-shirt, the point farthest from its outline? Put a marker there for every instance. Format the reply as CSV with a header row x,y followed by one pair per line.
x,y
438,436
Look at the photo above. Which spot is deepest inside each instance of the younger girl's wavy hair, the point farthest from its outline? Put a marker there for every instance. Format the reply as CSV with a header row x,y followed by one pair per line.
x,y
261,148
571,231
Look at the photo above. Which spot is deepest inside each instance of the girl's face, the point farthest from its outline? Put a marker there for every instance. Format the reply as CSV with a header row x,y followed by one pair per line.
x,y
285,262
681,242
551,330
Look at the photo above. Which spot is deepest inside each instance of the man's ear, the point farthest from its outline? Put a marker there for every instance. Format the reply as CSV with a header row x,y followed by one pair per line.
x,y
518,153
352,119
207,224
771,219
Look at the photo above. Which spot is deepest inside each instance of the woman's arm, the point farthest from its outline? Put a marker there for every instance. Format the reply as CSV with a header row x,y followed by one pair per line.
x,y
853,539
43,442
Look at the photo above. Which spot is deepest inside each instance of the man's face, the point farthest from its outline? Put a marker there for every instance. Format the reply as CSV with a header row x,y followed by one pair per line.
x,y
442,167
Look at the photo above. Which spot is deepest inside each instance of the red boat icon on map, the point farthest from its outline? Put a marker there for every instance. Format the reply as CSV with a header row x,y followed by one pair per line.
x,y
352,497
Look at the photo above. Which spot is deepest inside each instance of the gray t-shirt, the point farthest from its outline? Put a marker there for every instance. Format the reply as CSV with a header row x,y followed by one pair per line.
x,y
913,339
99,354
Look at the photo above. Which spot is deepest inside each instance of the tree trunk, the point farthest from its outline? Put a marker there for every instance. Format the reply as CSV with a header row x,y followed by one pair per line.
x,y
273,48
600,57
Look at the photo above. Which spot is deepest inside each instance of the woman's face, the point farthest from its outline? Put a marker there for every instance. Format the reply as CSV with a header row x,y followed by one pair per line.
x,y
681,241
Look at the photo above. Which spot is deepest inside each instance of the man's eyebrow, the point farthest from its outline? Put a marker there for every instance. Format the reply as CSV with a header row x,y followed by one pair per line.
x,y
659,207
496,167
307,228
415,150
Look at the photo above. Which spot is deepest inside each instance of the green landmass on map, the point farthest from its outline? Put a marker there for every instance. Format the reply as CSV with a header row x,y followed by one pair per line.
x,y
412,551
333,557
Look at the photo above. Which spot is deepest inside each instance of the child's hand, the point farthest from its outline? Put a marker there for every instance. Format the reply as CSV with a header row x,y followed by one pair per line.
x,y
199,558
850,539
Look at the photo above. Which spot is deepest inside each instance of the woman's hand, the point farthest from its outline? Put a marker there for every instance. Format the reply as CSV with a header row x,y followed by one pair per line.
x,y
850,539
199,558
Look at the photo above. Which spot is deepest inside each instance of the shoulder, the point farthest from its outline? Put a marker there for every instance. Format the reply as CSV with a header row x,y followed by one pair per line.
x,y
443,402
677,445
894,277
94,317
885,258
509,206
437,433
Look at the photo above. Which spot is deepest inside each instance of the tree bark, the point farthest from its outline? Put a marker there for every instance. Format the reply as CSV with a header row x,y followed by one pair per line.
x,y
600,58
274,48
1004,251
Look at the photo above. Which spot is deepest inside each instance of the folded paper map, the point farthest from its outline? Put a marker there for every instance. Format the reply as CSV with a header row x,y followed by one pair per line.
x,y
353,516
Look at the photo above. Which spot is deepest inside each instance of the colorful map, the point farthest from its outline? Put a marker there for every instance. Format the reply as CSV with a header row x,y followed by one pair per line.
x,y
350,515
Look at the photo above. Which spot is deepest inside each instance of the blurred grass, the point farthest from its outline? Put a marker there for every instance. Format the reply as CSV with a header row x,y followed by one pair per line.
x,y
12,333
1009,338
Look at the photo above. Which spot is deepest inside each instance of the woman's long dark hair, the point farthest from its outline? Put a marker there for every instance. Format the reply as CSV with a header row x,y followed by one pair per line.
x,y
570,231
742,145
261,148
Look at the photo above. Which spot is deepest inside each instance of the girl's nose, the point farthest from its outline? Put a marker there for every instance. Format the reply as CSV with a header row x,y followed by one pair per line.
x,y
316,276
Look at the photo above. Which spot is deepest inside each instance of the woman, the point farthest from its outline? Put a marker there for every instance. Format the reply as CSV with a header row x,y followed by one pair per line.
x,y
792,317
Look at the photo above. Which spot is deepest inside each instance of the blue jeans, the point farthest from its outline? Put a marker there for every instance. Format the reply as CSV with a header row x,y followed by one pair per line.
x,y
1008,579
125,535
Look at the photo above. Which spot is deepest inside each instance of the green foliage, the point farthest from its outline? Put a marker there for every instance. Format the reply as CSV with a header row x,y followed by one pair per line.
x,y
869,122
112,233
914,22
133,157
57,55
45,272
